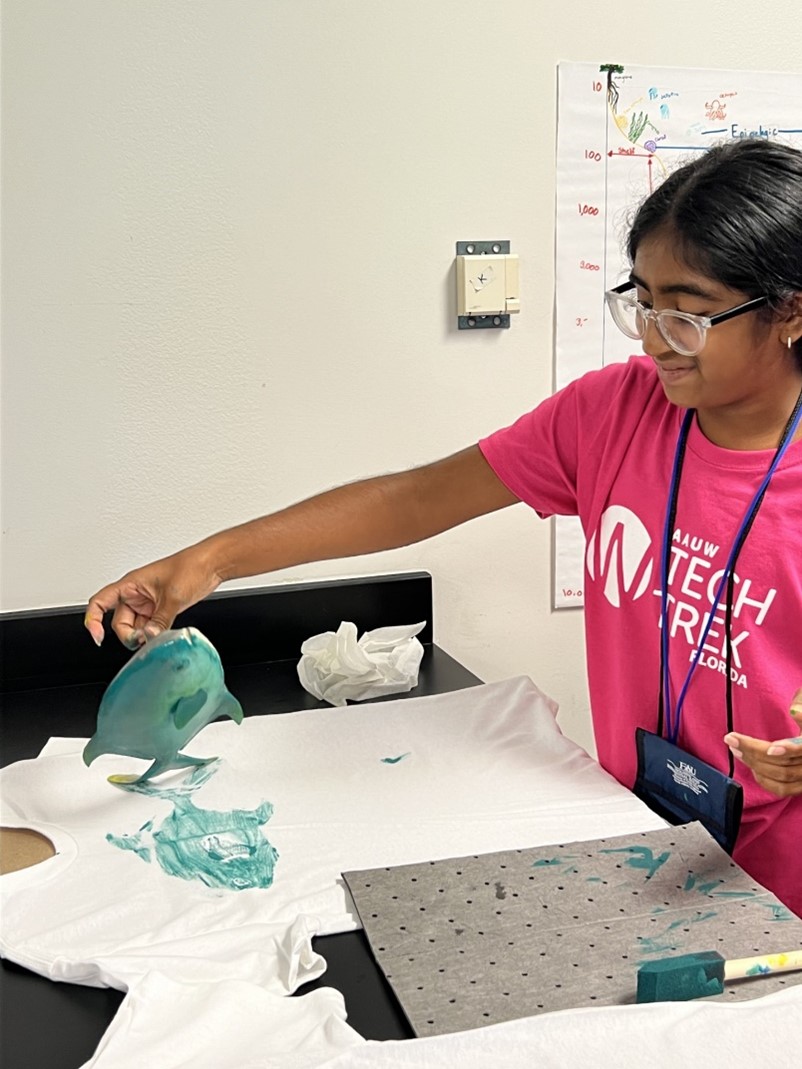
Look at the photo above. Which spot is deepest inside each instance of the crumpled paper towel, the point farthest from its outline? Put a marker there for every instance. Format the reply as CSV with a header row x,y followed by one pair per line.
x,y
335,666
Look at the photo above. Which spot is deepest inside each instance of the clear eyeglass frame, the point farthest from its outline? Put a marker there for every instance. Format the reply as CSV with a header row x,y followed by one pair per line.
x,y
683,332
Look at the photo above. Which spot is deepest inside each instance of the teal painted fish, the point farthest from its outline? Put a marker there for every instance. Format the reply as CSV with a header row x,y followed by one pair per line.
x,y
169,690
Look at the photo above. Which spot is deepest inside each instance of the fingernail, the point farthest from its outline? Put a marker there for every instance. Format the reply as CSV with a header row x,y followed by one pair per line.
x,y
775,751
731,740
97,641
736,753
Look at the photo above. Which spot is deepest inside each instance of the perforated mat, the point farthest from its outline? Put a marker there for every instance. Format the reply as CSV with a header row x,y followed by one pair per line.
x,y
475,940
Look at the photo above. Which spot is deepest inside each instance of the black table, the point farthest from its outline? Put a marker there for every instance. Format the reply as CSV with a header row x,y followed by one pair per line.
x,y
53,679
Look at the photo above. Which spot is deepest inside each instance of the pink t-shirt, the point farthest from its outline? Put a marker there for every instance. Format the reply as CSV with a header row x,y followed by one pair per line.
x,y
603,449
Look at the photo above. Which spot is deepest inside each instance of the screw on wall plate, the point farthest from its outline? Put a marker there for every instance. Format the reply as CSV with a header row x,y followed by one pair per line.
x,y
483,322
482,248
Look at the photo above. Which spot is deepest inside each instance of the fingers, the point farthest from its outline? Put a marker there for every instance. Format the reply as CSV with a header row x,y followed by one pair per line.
x,y
162,616
106,599
749,750
786,747
134,608
791,746
783,782
128,626
775,766
146,601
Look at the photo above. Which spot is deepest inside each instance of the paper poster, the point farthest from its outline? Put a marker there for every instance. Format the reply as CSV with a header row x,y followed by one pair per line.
x,y
621,130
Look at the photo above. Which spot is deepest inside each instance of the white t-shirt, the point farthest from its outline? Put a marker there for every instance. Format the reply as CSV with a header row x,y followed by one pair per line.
x,y
471,771
232,1024
657,1035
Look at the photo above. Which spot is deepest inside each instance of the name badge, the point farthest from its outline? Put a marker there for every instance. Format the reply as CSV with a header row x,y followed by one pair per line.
x,y
681,788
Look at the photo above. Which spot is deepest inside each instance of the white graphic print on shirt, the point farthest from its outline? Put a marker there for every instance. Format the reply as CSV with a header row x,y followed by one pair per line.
x,y
622,556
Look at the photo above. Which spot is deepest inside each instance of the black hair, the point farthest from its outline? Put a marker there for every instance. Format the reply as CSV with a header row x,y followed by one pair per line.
x,y
735,213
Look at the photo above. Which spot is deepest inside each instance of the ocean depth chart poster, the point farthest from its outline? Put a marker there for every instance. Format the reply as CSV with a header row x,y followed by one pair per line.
x,y
621,129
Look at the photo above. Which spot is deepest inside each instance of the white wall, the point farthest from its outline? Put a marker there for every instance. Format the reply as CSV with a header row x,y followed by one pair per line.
x,y
228,236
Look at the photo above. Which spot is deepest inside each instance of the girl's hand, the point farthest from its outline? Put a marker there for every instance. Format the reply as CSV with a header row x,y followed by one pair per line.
x,y
147,600
777,766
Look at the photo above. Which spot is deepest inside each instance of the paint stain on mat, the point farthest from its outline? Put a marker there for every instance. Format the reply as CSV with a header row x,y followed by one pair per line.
x,y
642,858
673,936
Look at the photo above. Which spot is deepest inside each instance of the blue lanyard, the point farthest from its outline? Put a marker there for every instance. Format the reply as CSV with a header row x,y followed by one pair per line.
x,y
673,716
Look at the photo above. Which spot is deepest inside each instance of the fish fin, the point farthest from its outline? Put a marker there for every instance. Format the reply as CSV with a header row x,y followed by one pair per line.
x,y
92,750
229,706
184,709
168,765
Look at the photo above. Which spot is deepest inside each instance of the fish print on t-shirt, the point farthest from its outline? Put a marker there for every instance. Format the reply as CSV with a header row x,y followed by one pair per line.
x,y
222,849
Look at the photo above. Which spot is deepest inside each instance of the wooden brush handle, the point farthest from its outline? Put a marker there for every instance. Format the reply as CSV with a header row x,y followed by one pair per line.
x,y
762,965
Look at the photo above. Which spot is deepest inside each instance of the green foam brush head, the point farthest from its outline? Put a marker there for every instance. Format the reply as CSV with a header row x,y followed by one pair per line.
x,y
682,978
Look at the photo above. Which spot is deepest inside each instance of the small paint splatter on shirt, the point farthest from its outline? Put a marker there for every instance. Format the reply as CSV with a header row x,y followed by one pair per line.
x,y
394,760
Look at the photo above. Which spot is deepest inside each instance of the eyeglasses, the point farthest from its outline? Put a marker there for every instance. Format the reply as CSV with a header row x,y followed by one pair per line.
x,y
684,332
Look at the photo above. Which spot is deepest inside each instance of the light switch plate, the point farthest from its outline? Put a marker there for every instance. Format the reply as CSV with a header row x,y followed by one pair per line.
x,y
487,284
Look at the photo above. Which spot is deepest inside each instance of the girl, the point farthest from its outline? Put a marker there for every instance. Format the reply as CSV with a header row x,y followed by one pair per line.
x,y
685,467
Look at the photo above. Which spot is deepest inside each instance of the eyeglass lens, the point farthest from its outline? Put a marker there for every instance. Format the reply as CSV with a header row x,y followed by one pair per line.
x,y
683,335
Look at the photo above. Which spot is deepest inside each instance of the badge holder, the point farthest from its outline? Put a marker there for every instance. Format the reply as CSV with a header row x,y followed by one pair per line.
x,y
680,788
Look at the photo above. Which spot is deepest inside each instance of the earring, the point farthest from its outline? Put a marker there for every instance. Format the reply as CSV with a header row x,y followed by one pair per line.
x,y
790,343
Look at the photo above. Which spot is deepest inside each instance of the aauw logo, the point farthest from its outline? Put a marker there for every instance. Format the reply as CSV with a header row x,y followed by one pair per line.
x,y
619,555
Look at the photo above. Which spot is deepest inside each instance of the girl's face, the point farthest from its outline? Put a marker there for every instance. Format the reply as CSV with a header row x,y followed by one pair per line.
x,y
745,380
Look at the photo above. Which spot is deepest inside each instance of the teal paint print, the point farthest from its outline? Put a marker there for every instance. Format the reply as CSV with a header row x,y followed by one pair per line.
x,y
670,938
221,848
395,760
779,912
642,858
703,888
133,842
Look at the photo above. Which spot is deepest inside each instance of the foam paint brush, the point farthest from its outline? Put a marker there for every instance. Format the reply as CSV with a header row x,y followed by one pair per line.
x,y
692,976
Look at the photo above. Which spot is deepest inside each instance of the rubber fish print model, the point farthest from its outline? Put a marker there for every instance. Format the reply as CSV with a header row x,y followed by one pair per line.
x,y
169,690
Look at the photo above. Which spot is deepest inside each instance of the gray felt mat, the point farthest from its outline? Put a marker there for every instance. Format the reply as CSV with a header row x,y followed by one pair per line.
x,y
476,940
